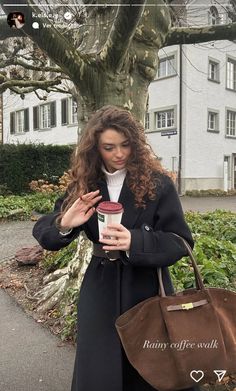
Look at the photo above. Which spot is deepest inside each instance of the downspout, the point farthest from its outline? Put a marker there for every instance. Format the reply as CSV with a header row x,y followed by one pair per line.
x,y
180,121
1,118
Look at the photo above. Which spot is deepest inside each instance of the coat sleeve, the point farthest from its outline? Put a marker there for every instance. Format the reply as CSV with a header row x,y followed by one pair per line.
x,y
48,235
157,246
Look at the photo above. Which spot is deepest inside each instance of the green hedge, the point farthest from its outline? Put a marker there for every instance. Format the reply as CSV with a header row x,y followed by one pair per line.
x,y
215,251
22,163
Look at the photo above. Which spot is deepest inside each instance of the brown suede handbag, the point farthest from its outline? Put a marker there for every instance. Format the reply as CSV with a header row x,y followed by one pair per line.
x,y
182,340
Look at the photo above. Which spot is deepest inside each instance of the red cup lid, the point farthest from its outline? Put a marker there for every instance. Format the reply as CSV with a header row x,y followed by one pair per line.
x,y
109,207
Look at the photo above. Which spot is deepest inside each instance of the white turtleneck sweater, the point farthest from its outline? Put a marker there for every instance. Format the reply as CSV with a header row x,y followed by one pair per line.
x,y
114,182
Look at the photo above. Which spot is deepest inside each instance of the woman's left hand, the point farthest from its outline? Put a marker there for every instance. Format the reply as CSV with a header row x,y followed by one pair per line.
x,y
122,238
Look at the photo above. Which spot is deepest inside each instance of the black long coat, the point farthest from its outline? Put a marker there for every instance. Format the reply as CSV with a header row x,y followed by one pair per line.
x,y
110,288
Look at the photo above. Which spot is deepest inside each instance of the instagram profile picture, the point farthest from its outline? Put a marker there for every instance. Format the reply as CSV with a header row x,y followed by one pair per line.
x,y
16,19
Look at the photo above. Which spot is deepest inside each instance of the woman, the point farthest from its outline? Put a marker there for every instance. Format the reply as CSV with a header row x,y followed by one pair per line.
x,y
114,162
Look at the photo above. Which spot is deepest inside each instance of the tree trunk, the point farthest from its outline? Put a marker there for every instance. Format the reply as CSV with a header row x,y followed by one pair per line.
x,y
57,283
104,80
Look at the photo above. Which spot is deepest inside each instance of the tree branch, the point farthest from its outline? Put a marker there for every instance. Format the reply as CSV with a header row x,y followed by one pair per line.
x,y
42,85
115,49
26,90
57,89
187,35
38,96
23,91
25,65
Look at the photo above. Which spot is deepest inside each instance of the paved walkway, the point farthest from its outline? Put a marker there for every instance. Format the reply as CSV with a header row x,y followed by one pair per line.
x,y
205,204
30,358
13,236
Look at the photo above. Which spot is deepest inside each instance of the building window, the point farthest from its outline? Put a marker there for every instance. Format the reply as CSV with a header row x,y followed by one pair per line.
x,y
19,121
68,111
213,16
213,121
166,67
73,110
36,117
44,116
165,119
231,74
147,121
230,126
229,18
64,111
213,73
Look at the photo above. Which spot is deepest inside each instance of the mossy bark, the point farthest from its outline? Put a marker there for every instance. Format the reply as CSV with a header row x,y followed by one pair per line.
x,y
57,283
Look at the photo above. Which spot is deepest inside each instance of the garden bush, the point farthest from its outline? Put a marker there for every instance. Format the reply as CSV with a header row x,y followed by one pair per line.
x,y
15,207
215,251
54,260
22,163
210,193
70,318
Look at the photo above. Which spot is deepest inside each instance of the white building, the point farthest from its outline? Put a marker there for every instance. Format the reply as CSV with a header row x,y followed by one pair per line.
x,y
191,123
191,120
31,120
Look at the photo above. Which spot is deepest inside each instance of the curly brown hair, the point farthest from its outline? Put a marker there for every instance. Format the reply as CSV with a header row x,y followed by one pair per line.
x,y
86,160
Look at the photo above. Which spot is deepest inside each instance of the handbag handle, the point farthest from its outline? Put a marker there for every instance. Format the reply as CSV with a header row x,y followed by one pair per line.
x,y
197,274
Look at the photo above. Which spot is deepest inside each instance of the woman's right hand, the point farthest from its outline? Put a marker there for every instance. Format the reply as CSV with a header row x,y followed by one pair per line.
x,y
81,210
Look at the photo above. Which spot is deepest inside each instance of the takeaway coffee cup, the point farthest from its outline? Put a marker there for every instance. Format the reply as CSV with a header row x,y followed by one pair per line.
x,y
108,212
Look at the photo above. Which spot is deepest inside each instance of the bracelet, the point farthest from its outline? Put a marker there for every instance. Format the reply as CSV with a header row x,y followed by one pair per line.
x,y
62,230
65,231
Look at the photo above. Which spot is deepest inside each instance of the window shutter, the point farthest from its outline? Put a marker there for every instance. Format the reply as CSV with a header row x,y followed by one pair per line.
x,y
36,117
64,111
53,114
12,123
26,120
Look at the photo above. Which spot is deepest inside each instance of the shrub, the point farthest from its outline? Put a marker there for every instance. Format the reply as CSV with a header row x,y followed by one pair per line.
x,y
54,260
219,224
42,186
209,193
22,163
215,251
15,207
69,315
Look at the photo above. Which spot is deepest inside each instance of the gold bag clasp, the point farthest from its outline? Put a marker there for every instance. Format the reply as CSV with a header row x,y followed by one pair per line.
x,y
187,306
